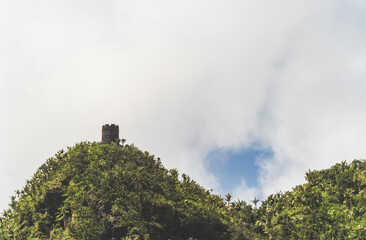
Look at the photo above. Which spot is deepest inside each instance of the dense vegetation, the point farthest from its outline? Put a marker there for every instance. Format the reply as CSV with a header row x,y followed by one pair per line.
x,y
111,191
331,205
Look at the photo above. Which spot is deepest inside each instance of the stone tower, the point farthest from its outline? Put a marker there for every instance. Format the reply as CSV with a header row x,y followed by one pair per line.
x,y
110,133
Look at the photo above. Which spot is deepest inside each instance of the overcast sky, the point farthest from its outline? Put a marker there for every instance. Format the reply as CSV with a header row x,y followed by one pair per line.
x,y
244,96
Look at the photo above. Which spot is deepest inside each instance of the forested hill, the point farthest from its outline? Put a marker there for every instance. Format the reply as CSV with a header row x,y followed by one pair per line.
x,y
100,191
110,191
331,205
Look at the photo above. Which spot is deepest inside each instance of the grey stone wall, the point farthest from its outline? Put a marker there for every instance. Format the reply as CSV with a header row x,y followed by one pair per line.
x,y
110,133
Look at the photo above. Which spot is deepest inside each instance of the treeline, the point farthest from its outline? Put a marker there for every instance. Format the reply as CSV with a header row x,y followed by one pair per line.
x,y
111,191
331,205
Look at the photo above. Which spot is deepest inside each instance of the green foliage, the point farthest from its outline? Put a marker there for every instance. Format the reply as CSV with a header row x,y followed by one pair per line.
x,y
331,205
111,191
100,191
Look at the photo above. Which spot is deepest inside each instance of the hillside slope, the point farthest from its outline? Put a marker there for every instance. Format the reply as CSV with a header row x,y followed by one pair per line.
x,y
105,191
108,191
331,205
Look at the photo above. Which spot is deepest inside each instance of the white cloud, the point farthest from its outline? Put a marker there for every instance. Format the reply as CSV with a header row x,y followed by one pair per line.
x,y
181,79
316,110
243,192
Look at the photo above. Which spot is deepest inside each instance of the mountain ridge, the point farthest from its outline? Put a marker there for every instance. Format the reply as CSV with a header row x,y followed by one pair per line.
x,y
116,191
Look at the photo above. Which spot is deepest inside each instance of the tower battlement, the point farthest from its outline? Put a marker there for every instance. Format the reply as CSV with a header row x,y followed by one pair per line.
x,y
110,133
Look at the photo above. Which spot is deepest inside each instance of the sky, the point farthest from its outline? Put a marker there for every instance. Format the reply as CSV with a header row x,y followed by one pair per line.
x,y
244,96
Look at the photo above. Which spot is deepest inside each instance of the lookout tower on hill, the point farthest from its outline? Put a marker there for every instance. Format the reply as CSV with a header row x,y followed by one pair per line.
x,y
110,133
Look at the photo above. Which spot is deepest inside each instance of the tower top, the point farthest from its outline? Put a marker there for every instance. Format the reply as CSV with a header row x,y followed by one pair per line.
x,y
110,133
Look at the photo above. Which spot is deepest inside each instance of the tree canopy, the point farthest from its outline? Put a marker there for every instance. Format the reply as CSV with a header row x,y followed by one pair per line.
x,y
112,191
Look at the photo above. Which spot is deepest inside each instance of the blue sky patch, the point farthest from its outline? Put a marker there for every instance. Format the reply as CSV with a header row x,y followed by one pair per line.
x,y
229,166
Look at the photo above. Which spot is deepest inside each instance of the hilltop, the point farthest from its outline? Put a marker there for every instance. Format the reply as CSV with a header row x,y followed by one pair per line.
x,y
116,191
104,191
